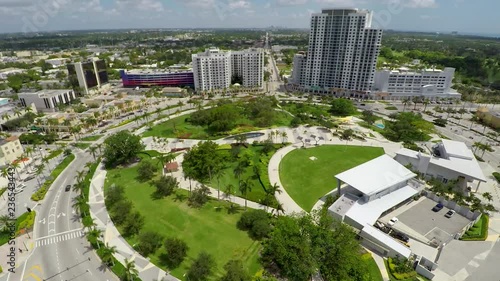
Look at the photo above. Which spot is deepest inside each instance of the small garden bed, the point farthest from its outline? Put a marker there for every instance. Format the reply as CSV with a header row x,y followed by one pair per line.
x,y
91,138
479,231
23,223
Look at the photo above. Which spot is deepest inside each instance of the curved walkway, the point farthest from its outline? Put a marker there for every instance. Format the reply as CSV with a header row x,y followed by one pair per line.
x,y
147,270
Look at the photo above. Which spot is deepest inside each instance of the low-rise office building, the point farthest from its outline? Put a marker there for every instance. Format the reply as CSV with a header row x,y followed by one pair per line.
x,y
161,78
10,150
47,100
403,83
451,160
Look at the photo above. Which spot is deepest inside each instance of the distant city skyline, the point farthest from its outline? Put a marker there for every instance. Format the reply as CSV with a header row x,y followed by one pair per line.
x,y
411,15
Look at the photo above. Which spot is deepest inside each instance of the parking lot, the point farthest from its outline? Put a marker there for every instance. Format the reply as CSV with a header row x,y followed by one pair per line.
x,y
433,225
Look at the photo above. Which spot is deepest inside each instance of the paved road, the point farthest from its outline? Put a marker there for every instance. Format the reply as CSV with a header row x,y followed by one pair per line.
x,y
61,252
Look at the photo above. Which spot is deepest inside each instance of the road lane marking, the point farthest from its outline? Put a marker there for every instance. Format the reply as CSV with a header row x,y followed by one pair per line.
x,y
54,239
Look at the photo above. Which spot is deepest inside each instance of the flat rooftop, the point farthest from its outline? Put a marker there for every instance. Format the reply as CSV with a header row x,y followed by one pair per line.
x,y
156,71
376,175
46,93
457,149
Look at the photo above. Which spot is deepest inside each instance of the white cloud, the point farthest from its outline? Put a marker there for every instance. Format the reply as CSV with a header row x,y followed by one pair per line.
x,y
415,3
291,2
239,4
142,5
339,3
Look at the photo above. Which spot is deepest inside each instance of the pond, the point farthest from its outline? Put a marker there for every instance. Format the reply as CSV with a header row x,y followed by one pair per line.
x,y
381,126
248,135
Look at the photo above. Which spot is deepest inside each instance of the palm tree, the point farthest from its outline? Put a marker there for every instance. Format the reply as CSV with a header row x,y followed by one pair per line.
x,y
229,190
130,271
93,150
79,203
284,136
5,173
279,209
80,175
487,196
273,189
95,233
107,254
46,162
238,171
405,103
16,166
100,147
426,103
39,171
4,221
78,187
219,174
245,187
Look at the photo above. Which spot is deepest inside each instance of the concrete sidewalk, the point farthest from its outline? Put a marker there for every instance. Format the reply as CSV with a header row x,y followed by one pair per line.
x,y
24,246
147,270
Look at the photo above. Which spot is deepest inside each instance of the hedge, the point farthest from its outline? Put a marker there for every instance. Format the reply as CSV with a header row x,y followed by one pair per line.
x,y
27,222
479,231
497,176
40,193
399,276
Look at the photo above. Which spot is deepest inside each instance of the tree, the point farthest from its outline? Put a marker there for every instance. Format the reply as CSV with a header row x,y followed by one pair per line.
x,y
107,253
146,170
369,117
201,268
93,151
202,161
245,186
165,186
342,107
235,271
121,148
120,211
115,194
199,196
256,222
487,196
149,242
15,82
130,271
347,134
94,234
133,223
176,250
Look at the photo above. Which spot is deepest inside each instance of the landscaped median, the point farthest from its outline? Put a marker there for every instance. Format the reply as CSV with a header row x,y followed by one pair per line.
x,y
23,223
40,193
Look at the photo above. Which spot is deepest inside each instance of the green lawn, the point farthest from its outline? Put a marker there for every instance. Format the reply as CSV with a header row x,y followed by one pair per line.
x,y
479,231
91,138
54,153
5,235
208,228
257,193
306,181
82,145
179,128
371,265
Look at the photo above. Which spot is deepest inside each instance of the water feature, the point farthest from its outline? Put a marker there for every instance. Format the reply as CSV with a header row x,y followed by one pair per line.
x,y
248,135
380,125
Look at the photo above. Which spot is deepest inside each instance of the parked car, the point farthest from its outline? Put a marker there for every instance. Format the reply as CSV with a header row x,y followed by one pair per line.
x,y
450,213
401,236
68,187
393,221
438,207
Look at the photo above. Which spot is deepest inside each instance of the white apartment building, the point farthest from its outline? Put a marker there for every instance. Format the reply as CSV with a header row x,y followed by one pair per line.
x,y
10,150
214,69
249,65
299,61
406,83
47,100
342,54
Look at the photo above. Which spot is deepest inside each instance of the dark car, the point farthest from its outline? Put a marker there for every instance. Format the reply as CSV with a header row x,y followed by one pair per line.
x,y
68,188
438,207
401,236
30,177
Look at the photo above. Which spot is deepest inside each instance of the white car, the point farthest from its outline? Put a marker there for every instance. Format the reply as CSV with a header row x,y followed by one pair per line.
x,y
393,221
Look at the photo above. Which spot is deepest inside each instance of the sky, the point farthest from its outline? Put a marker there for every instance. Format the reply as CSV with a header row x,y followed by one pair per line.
x,y
465,16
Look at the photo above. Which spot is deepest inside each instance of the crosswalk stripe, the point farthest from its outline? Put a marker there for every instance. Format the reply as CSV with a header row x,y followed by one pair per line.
x,y
59,238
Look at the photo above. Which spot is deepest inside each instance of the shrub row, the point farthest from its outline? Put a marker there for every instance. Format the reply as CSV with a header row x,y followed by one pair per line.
x,y
399,276
495,174
27,222
40,193
481,235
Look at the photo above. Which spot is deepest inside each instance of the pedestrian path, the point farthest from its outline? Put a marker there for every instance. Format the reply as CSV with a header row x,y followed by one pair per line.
x,y
60,237
113,238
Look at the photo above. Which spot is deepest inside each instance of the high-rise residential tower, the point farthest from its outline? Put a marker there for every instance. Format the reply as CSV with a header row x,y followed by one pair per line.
x,y
215,69
342,54
88,75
